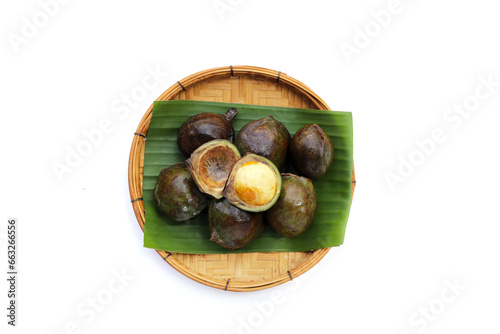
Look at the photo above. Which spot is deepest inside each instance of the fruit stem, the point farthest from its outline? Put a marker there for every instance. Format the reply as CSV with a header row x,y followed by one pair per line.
x,y
230,114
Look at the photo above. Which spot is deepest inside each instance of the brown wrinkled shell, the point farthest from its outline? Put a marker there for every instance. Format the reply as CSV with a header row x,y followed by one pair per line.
x,y
202,128
295,209
176,194
231,227
311,151
265,137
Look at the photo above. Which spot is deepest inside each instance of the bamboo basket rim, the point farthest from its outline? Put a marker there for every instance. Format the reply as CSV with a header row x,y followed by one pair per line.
x,y
135,188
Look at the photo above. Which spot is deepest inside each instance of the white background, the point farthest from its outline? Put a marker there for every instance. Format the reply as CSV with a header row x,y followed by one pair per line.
x,y
402,245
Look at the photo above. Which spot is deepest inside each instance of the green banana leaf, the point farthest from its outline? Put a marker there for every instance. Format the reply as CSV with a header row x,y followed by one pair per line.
x,y
333,191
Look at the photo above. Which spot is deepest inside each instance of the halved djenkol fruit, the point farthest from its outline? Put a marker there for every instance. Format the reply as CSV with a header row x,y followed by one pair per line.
x,y
210,165
254,184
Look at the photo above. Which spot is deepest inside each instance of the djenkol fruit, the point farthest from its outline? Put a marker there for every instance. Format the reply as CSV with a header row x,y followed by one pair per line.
x,y
210,165
202,128
296,207
311,151
232,227
176,194
254,183
265,137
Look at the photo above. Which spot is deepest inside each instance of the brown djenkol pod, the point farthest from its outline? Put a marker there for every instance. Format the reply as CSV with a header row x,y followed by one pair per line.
x,y
176,195
265,137
202,128
311,151
296,207
231,227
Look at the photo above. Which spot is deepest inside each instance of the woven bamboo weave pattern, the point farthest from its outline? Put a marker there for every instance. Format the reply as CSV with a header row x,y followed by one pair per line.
x,y
249,90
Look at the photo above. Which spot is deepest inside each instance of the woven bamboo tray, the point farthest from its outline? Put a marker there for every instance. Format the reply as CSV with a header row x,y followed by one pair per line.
x,y
236,84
